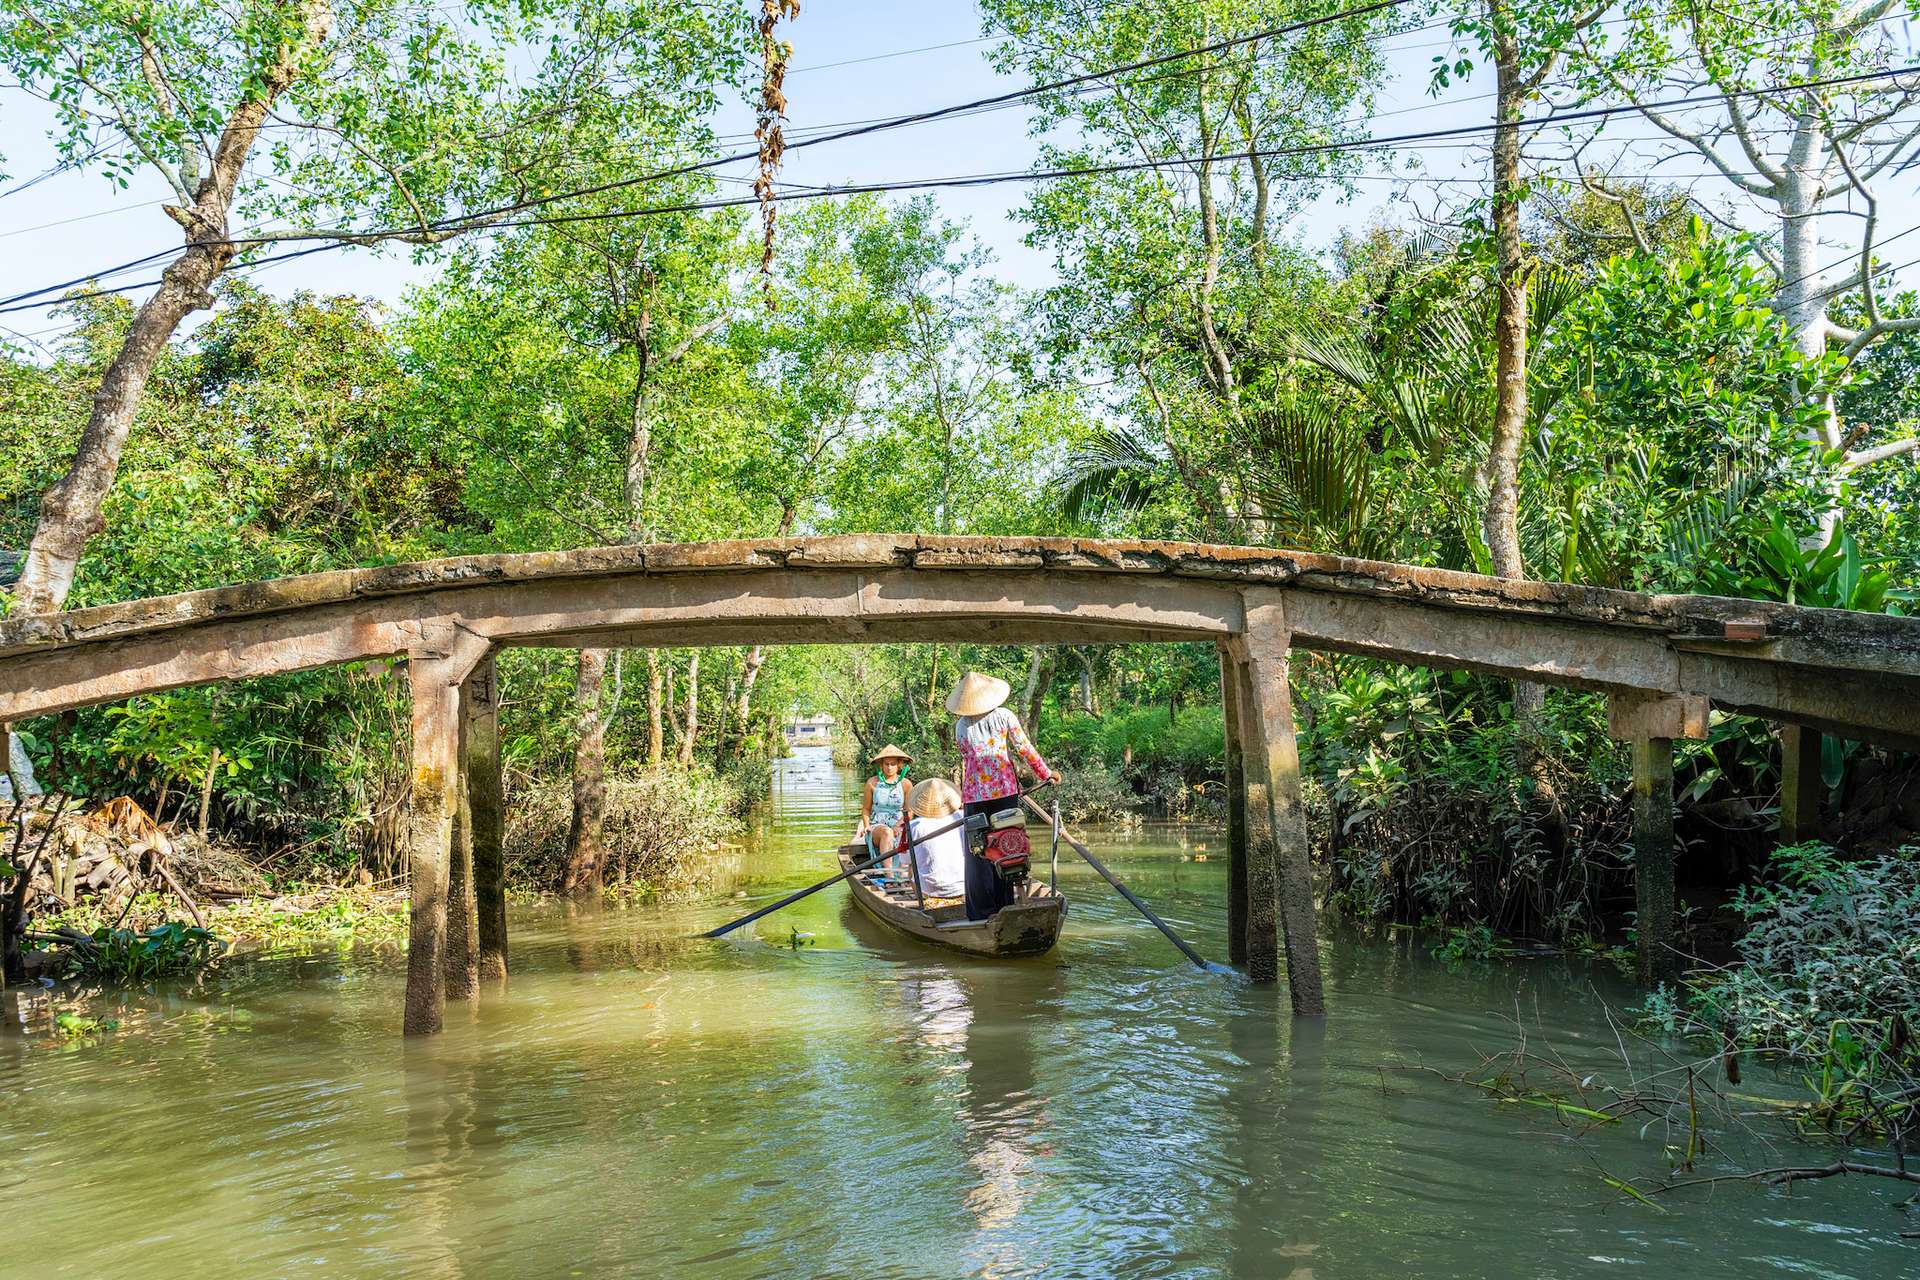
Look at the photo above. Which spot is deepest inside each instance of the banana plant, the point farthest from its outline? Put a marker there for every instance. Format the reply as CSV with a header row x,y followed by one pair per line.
x,y
1780,566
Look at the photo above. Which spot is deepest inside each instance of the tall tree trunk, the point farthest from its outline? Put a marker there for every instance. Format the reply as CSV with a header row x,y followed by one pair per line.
x,y
933,683
1502,524
1216,362
749,676
1037,689
911,703
723,731
692,729
1033,677
71,510
1089,697
656,710
666,701
585,851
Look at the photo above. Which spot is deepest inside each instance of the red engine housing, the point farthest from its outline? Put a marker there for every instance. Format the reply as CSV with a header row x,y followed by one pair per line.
x,y
1010,852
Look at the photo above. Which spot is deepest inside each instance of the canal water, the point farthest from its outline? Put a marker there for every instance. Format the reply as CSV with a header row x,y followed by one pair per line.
x,y
818,1098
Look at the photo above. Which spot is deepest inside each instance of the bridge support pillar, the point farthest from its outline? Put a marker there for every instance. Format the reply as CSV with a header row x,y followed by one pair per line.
x,y
486,817
1799,784
1654,920
1279,872
1232,706
432,797
463,961
1651,722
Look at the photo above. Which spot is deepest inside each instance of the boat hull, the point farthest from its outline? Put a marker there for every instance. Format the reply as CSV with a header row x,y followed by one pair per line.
x,y
1027,927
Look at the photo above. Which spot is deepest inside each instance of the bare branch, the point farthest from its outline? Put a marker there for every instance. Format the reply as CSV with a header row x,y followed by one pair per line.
x,y
1699,141
1594,186
1880,453
1866,247
686,344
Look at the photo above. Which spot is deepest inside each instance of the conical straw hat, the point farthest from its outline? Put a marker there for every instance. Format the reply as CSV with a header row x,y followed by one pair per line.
x,y
891,750
976,694
934,798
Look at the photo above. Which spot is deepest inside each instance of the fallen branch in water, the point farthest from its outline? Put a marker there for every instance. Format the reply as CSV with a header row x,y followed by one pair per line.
x,y
1787,1175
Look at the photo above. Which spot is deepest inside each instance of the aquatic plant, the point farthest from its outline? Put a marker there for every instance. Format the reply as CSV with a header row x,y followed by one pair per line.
x,y
124,956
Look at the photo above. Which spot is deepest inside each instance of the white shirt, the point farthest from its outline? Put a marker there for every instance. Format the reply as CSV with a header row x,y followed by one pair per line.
x,y
942,859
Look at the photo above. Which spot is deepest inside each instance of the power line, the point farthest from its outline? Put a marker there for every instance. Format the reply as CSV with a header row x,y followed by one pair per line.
x,y
489,220
1349,145
54,172
894,122
949,182
80,217
1817,272
882,57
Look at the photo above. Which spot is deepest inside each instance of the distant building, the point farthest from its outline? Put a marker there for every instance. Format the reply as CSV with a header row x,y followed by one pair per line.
x,y
809,731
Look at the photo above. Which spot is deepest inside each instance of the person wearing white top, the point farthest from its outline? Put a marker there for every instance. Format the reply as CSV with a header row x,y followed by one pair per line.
x,y
940,859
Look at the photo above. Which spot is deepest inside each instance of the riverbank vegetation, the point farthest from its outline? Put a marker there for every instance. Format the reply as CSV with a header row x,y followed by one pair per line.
x,y
1615,380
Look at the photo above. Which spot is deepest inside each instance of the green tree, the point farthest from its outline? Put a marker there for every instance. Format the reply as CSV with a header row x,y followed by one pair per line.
x,y
1807,119
1676,422
390,122
1169,269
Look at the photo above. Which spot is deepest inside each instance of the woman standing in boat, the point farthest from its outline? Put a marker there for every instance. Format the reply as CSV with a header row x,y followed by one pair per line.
x,y
989,736
883,810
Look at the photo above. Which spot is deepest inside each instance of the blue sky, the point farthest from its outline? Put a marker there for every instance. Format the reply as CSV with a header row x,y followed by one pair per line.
x,y
847,66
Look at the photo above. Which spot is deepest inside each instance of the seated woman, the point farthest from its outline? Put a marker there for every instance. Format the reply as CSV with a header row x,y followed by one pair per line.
x,y
939,856
883,809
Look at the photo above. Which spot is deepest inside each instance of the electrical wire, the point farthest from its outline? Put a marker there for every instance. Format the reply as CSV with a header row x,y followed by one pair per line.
x,y
500,218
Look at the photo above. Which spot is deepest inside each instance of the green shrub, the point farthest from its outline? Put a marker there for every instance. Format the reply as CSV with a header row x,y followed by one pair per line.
x,y
1414,799
663,828
1095,794
1142,737
1829,962
748,779
1139,756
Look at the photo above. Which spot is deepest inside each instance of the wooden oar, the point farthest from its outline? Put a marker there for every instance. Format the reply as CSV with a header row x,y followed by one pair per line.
x,y
830,881
1199,960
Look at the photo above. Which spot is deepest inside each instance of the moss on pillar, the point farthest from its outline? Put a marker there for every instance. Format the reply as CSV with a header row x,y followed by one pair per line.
x,y
1655,925
486,818
1232,701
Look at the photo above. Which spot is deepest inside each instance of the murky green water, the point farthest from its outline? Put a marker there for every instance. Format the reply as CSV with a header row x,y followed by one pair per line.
x,y
641,1104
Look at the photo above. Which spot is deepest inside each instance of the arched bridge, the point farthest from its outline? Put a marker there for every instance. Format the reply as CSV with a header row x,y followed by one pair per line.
x,y
1663,659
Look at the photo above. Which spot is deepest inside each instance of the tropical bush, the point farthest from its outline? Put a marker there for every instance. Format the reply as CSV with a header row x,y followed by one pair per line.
x,y
1094,793
1829,962
1416,805
662,828
124,956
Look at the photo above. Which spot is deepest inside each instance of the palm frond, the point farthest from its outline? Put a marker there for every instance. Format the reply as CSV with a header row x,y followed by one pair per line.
x,y
1554,289
1118,470
1689,533
1313,477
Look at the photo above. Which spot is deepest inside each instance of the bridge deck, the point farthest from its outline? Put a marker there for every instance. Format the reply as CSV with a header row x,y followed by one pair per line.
x,y
1857,675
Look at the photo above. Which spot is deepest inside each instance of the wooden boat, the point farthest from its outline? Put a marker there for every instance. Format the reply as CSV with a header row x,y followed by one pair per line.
x,y
1027,926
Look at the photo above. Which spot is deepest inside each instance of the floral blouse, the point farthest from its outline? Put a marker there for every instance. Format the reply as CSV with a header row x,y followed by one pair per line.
x,y
987,747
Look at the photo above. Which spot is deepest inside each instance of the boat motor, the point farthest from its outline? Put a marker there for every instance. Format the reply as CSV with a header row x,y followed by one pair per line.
x,y
1007,846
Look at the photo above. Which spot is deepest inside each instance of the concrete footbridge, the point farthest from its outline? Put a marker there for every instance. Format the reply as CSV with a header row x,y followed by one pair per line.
x,y
1664,660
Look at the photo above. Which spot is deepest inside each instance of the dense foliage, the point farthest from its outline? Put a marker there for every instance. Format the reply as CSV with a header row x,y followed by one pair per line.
x,y
1197,371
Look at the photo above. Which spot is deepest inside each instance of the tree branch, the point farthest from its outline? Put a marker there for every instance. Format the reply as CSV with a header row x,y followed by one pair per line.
x,y
686,344
1879,453
1698,141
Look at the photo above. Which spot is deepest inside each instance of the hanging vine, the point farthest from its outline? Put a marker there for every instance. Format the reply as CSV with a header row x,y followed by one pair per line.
x,y
767,129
